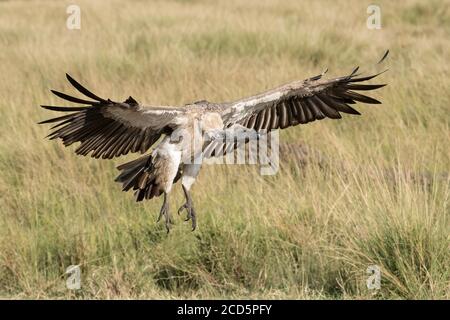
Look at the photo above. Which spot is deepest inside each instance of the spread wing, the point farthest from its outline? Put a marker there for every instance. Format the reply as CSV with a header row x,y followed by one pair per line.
x,y
300,102
109,129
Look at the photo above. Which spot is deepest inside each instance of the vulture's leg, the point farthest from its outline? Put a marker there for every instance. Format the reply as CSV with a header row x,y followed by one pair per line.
x,y
166,161
189,208
165,212
190,172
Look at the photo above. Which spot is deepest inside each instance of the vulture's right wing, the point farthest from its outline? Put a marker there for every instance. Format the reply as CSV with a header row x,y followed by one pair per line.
x,y
110,129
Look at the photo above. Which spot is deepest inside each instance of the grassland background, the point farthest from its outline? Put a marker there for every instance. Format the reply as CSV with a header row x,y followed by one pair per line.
x,y
307,232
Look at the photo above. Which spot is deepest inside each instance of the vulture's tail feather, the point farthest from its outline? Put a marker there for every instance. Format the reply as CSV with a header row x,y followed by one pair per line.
x,y
139,175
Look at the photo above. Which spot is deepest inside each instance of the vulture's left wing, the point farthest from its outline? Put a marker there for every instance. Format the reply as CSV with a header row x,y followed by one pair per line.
x,y
300,102
109,129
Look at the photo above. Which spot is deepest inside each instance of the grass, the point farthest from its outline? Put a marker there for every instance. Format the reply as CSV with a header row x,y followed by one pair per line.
x,y
310,232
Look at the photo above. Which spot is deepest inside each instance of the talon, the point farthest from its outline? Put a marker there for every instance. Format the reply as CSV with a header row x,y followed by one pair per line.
x,y
190,209
194,220
184,206
167,226
160,216
165,212
168,221
190,214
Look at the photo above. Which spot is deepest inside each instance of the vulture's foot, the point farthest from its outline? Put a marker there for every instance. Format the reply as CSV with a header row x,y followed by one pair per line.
x,y
165,212
190,213
189,208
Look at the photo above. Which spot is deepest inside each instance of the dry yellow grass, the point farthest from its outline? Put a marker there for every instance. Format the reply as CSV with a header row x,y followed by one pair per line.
x,y
308,232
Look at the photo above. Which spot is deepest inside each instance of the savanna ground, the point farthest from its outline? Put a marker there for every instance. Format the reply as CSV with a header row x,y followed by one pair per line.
x,y
310,231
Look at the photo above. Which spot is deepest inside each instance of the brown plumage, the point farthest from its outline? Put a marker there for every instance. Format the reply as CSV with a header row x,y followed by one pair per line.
x,y
107,129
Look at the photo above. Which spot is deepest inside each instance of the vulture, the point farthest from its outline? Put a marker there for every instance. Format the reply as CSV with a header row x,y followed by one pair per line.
x,y
107,129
